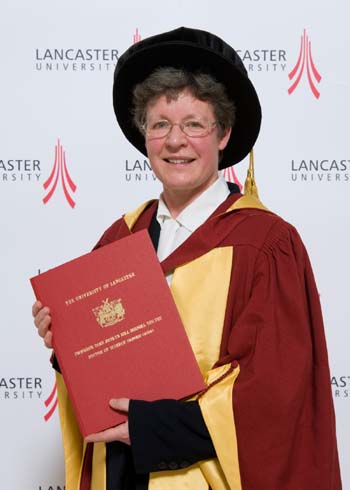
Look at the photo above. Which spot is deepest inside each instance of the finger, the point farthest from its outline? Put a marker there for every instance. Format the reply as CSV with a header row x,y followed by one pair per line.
x,y
108,435
119,433
44,326
48,340
121,404
36,308
41,315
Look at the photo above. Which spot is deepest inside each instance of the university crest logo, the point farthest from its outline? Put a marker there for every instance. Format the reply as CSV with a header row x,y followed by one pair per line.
x,y
305,65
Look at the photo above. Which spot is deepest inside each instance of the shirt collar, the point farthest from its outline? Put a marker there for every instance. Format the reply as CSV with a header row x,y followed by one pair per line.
x,y
198,210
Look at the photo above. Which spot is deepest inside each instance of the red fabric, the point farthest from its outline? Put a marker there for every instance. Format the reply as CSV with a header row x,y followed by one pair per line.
x,y
119,228
203,239
282,398
85,480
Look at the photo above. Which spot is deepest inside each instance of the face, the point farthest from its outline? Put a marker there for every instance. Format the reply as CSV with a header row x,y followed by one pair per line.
x,y
185,165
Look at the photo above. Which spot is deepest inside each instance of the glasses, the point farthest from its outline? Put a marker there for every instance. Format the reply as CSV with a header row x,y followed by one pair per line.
x,y
195,128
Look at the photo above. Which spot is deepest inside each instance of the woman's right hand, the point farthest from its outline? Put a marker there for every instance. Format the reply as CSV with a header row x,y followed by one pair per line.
x,y
42,321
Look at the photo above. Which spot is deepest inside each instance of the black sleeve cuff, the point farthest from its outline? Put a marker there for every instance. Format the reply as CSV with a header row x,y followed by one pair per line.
x,y
54,363
167,435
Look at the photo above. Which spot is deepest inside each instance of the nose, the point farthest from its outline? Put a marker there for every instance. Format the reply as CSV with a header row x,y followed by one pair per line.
x,y
176,137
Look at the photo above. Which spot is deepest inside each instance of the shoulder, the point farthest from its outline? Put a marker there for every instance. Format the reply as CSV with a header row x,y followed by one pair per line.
x,y
122,227
117,230
261,229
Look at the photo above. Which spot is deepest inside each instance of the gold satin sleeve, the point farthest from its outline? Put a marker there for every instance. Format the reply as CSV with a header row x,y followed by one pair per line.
x,y
216,407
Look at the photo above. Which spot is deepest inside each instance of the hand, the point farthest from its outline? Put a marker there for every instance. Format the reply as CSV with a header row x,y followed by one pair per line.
x,y
42,321
120,432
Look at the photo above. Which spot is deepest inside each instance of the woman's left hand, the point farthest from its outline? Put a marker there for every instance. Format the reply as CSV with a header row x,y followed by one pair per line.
x,y
118,433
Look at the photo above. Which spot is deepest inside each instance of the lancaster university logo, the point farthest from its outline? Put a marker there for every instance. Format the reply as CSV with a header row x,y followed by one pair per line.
x,y
60,172
51,403
304,63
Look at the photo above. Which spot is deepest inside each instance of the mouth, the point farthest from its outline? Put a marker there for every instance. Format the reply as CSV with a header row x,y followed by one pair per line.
x,y
179,161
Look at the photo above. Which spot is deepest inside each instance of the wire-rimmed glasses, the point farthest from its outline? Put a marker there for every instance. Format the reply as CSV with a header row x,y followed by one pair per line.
x,y
194,128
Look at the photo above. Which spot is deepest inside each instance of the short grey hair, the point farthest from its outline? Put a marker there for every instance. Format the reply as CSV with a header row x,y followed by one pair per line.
x,y
171,82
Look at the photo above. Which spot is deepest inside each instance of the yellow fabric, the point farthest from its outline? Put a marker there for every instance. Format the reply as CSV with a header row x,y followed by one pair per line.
x,y
213,474
187,479
216,407
200,290
131,218
247,201
73,444
98,479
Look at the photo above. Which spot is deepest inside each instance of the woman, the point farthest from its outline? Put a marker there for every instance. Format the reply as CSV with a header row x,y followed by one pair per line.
x,y
242,283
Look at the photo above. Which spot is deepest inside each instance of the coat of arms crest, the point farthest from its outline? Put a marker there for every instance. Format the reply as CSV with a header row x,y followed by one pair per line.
x,y
109,313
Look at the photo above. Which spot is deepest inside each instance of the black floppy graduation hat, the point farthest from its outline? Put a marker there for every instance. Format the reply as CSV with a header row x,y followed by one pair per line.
x,y
196,51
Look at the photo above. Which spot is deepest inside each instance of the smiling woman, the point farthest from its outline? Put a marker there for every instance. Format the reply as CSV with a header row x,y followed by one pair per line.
x,y
186,165
186,119
241,281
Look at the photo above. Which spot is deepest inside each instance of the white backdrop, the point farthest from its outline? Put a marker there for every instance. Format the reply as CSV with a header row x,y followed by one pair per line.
x,y
56,62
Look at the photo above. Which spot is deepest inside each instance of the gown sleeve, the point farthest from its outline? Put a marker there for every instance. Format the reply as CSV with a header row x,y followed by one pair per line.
x,y
282,402
167,435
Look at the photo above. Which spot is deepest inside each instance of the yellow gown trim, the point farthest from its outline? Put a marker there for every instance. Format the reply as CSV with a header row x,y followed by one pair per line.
x,y
131,218
205,281
98,478
216,407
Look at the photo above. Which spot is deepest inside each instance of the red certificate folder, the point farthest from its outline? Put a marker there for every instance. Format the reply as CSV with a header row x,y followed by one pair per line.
x,y
116,331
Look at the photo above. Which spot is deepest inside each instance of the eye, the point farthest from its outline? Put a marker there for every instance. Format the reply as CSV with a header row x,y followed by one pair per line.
x,y
194,124
163,124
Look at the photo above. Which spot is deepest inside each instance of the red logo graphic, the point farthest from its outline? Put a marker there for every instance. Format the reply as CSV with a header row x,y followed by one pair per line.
x,y
60,170
305,59
136,36
51,403
230,176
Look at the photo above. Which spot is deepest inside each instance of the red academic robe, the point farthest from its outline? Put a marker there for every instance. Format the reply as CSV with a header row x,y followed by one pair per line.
x,y
272,337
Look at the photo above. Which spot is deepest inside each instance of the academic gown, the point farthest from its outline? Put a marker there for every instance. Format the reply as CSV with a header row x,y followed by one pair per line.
x,y
245,291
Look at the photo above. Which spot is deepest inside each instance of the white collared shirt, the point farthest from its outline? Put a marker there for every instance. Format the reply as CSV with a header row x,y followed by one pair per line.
x,y
173,232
